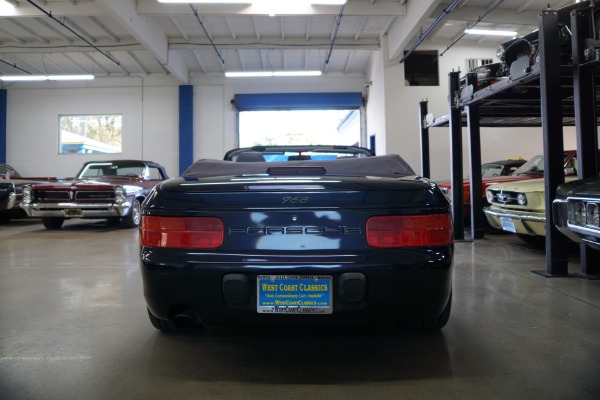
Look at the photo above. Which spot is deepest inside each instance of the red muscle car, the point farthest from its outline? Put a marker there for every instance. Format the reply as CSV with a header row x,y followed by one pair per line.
x,y
102,189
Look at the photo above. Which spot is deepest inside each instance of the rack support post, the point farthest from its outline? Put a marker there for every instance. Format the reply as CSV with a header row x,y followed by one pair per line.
x,y
551,101
585,125
425,163
456,156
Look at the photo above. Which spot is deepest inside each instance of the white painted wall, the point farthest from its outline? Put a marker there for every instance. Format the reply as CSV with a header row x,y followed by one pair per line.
x,y
150,116
400,111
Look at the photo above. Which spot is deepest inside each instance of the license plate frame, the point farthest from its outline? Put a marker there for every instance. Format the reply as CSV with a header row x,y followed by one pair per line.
x,y
294,294
508,224
73,212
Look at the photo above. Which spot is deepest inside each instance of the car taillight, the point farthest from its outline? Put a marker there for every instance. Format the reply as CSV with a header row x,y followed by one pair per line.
x,y
409,230
181,232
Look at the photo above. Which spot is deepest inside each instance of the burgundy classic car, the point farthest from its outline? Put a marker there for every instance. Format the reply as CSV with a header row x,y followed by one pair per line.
x,y
102,189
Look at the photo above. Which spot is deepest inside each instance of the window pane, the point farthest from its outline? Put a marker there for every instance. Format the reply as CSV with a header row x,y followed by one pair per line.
x,y
90,134
341,127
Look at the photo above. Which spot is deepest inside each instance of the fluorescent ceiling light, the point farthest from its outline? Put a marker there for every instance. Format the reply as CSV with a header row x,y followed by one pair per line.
x,y
258,74
320,2
4,3
29,78
490,32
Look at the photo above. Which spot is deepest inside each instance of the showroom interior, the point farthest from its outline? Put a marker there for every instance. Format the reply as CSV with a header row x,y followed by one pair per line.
x,y
73,321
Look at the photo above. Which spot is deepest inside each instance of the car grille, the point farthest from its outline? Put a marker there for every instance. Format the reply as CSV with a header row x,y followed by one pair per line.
x,y
86,196
95,195
503,197
584,213
50,196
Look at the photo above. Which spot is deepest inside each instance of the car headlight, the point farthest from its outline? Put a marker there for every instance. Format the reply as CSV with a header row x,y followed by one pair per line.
x,y
120,195
500,52
490,196
579,213
27,195
447,192
522,199
593,214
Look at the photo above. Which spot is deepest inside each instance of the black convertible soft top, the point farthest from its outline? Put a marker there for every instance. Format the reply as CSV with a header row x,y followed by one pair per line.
x,y
390,166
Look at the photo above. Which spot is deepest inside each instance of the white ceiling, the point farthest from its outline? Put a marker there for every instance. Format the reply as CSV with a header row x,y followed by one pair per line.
x,y
147,38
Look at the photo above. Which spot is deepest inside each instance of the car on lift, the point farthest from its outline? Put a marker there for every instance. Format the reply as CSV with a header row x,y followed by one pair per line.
x,y
576,211
518,55
519,207
312,235
112,190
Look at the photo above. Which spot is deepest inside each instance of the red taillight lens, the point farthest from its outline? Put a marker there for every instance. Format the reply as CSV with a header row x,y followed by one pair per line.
x,y
409,230
181,232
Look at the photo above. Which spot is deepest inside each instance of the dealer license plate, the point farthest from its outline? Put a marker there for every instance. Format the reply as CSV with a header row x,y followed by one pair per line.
x,y
73,212
508,224
294,294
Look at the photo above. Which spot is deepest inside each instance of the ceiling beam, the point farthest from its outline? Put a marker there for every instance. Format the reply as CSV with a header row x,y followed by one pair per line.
x,y
405,28
148,34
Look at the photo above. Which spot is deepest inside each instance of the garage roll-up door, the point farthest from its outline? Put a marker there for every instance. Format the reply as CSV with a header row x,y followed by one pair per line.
x,y
298,101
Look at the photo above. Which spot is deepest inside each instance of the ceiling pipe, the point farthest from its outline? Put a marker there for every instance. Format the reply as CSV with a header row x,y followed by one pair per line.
x,y
15,66
207,34
338,22
431,28
49,14
488,12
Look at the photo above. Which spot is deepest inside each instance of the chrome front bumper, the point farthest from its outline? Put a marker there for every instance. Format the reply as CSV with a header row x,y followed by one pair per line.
x,y
76,210
528,223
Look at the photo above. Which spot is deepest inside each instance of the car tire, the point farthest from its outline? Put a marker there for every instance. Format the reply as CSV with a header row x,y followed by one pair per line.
x,y
437,323
532,240
53,222
132,220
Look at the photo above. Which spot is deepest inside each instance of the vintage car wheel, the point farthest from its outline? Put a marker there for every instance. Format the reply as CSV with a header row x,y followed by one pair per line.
x,y
53,222
132,220
533,240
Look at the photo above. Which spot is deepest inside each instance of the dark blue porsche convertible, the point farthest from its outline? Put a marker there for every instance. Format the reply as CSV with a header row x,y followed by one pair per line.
x,y
297,235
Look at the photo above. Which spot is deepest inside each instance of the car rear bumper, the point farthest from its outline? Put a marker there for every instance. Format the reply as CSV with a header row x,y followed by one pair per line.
x,y
76,210
371,291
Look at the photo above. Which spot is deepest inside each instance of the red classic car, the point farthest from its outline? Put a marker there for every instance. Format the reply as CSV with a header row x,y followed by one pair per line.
x,y
102,189
532,169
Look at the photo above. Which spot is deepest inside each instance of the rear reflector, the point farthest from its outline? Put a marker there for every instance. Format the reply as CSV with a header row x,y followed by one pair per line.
x,y
181,232
409,230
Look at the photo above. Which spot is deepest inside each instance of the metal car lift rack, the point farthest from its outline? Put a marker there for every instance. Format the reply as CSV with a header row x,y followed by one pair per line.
x,y
544,94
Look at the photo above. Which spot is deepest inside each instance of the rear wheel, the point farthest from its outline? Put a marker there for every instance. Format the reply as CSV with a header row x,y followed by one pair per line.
x,y
53,222
132,220
437,323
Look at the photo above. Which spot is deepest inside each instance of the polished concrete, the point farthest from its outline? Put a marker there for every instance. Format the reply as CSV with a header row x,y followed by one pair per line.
x,y
73,325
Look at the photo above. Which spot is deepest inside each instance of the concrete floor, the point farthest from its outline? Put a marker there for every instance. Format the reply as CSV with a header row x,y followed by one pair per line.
x,y
73,325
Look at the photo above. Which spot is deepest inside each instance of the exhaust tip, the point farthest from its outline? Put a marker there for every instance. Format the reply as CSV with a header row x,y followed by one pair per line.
x,y
186,319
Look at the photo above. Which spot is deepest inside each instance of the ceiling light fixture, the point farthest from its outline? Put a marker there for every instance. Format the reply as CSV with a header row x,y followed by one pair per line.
x,y
11,3
490,32
262,74
29,78
315,2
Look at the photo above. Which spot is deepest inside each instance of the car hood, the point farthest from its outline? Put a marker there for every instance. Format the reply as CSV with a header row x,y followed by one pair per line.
x,y
492,179
83,184
526,186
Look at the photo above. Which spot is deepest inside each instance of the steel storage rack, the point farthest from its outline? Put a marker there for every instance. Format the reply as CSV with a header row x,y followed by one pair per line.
x,y
540,93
